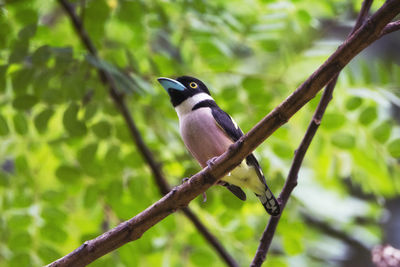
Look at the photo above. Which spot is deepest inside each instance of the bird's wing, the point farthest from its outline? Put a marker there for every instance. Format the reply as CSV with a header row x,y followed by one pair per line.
x,y
226,123
232,130
252,161
236,190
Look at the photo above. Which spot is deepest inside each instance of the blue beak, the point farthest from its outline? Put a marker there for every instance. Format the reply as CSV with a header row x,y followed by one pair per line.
x,y
168,83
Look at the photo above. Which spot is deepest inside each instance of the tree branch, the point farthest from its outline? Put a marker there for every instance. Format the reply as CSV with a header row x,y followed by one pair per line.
x,y
391,27
291,181
155,167
181,195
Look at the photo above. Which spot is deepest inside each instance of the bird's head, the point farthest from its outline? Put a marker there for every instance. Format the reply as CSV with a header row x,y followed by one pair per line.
x,y
182,88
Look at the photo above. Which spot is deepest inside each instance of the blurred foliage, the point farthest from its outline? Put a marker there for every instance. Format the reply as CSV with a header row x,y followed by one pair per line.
x,y
69,170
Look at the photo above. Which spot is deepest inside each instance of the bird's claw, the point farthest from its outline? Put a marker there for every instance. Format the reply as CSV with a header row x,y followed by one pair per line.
x,y
211,162
184,180
204,197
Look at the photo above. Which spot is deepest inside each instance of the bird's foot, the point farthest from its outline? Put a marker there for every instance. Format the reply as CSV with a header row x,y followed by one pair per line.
x,y
204,197
184,180
211,162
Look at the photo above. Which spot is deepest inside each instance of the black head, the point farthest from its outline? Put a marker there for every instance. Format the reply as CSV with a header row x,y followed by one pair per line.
x,y
182,88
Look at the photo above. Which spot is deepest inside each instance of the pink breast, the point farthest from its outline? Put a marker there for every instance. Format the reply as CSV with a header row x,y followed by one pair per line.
x,y
202,137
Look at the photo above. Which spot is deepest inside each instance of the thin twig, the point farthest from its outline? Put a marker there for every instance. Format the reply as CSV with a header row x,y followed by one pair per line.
x,y
155,167
391,27
180,196
291,181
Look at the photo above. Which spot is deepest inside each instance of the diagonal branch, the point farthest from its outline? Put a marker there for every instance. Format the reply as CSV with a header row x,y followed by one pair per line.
x,y
155,167
291,181
181,195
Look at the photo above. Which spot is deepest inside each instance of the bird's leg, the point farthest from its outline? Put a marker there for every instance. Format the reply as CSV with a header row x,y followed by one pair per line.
x,y
211,162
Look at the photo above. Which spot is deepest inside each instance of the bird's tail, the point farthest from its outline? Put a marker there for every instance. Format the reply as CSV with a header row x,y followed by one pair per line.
x,y
269,202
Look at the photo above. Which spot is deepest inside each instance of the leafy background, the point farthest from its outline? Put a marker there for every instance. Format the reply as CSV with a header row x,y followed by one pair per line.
x,y
69,170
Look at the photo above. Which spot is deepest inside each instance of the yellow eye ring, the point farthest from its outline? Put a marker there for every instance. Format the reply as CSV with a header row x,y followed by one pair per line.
x,y
193,85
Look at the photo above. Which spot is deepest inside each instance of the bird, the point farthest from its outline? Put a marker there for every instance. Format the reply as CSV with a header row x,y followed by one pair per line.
x,y
208,131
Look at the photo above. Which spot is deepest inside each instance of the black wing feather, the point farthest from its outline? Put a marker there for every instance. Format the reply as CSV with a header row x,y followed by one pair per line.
x,y
236,190
234,132
226,123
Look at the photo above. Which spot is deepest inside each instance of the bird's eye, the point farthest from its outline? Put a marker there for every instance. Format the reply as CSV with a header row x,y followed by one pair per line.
x,y
193,85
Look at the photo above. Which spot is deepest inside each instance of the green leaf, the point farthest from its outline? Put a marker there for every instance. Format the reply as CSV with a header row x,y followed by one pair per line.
x,y
68,174
48,253
41,55
123,81
42,119
74,85
52,96
292,244
353,103
114,192
71,123
122,133
343,140
90,110
26,15
368,115
112,158
394,148
5,33
252,84
20,260
102,129
27,32
304,16
24,102
20,123
20,241
4,180
91,196
64,58
54,197
4,130
201,257
96,14
283,150
3,70
87,154
19,50
127,9
333,121
53,215
21,164
19,222
53,233
382,131
21,79
42,81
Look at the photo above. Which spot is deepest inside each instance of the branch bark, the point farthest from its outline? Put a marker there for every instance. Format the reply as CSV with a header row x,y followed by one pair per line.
x,y
391,27
181,195
155,167
291,181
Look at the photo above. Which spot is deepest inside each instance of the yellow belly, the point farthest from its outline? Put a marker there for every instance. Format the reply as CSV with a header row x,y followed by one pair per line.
x,y
246,177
